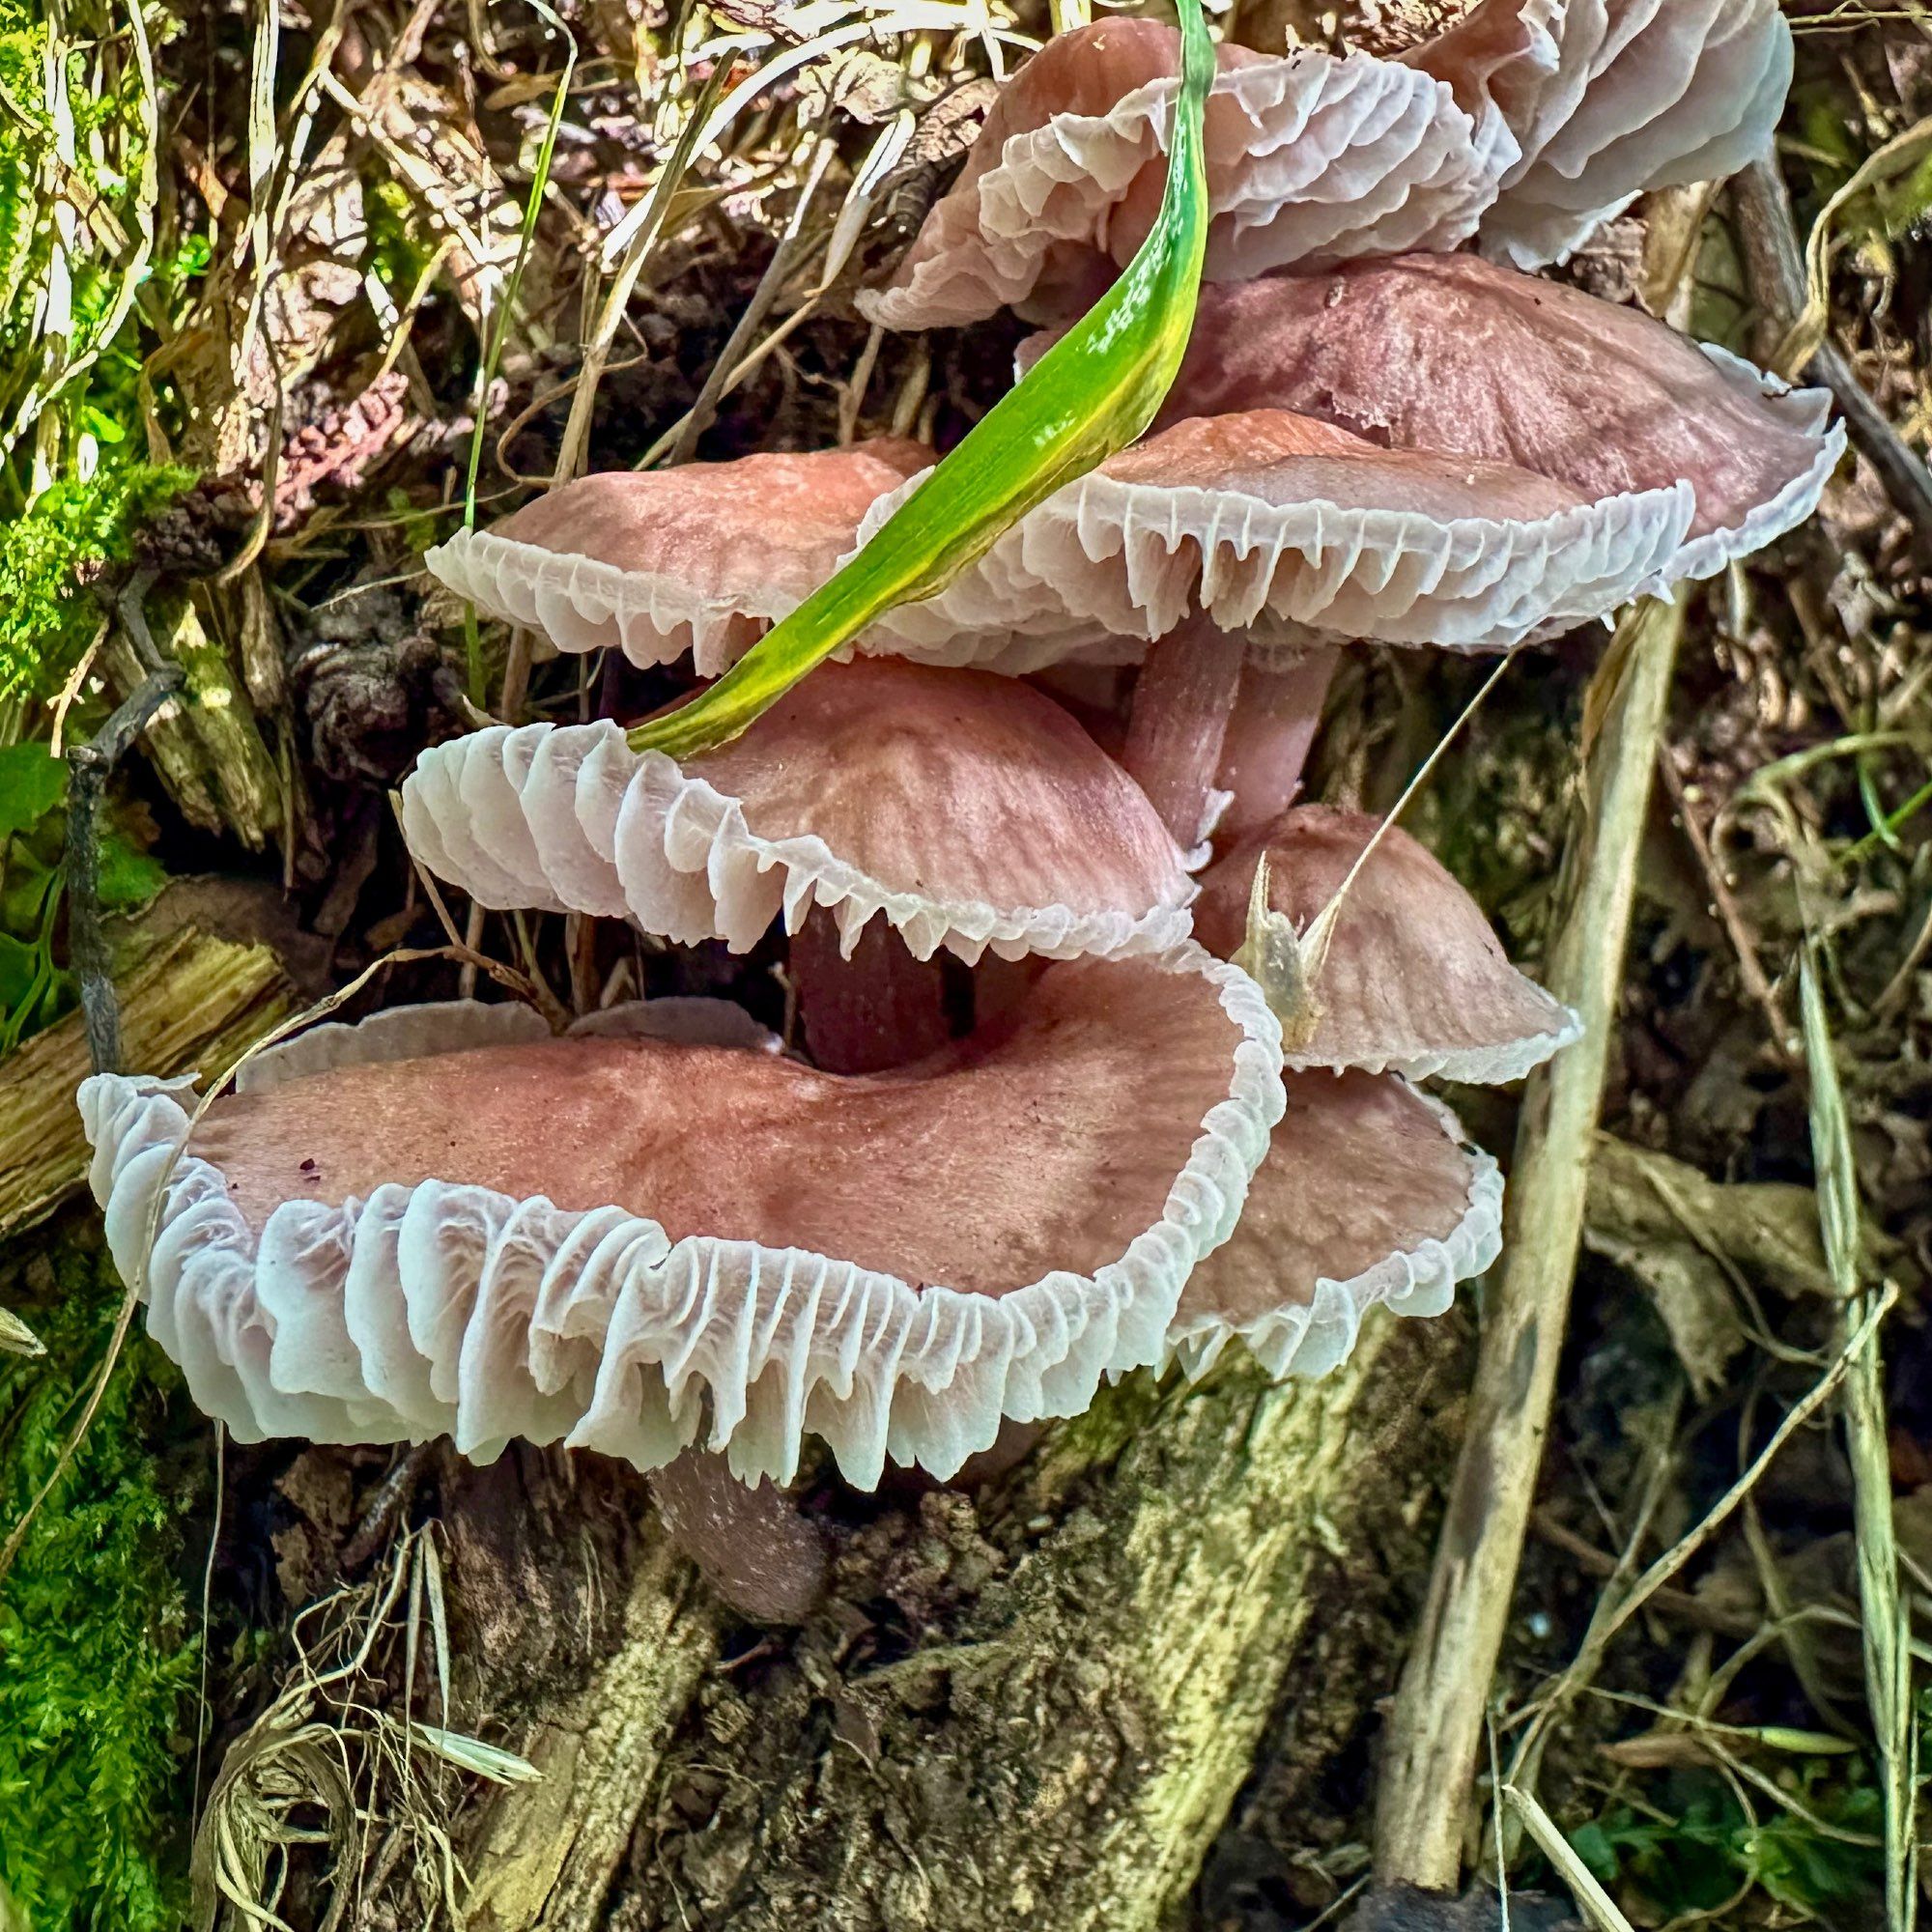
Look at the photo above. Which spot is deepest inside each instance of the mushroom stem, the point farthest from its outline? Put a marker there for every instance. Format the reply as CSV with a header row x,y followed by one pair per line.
x,y
879,1009
1272,726
1182,701
749,1540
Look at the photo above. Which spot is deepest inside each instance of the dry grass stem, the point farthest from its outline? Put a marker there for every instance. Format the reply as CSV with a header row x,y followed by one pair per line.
x,y
1437,1724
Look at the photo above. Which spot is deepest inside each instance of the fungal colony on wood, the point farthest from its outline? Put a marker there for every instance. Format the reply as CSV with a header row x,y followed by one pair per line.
x,y
1105,1040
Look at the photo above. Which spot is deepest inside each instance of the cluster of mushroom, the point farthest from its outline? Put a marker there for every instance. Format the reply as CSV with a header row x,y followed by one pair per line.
x,y
1074,771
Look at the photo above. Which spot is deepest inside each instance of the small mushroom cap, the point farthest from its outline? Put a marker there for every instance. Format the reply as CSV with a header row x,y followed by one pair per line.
x,y
1309,157
615,1238
699,558
1279,526
1596,396
1413,981
969,811
1606,98
1369,1197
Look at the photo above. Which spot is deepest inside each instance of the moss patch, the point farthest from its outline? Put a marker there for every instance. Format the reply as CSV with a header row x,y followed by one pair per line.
x,y
98,1658
50,552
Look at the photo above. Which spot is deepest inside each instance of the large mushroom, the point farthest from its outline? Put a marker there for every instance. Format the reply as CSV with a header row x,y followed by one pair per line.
x,y
1310,158
699,560
444,1220
1587,393
1601,99
965,810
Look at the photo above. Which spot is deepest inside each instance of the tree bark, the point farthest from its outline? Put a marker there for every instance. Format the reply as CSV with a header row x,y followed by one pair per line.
x,y
1033,1706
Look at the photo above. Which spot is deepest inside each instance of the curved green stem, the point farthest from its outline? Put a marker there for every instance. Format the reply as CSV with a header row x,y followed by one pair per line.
x,y
1091,394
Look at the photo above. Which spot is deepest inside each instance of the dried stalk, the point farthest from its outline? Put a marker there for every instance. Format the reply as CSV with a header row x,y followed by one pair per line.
x,y
1597,1906
1437,1724
1618,1604
1886,1627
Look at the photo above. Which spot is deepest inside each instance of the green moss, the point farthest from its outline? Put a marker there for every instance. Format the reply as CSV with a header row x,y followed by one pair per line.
x,y
73,493
399,247
48,554
97,1656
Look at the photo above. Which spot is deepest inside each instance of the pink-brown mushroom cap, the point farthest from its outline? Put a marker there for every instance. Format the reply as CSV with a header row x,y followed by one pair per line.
x,y
1369,1197
618,1238
968,810
1413,979
1601,99
658,563
1281,527
1310,156
1454,354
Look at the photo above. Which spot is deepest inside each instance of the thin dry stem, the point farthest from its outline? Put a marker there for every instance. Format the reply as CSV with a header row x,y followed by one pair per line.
x,y
1436,1727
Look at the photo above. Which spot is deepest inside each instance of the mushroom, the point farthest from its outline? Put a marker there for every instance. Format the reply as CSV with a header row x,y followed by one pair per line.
x,y
444,1220
967,811
1369,1197
1591,395
1601,99
755,1546
1251,538
1310,158
1409,977
701,558
1295,532
1271,728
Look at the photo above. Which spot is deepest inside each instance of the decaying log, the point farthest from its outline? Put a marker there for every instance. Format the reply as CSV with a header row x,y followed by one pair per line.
x,y
189,1000
1029,1706
205,744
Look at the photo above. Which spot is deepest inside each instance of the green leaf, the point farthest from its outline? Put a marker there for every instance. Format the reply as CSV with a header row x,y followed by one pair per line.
x,y
1592,1844
1089,395
23,895
33,781
19,970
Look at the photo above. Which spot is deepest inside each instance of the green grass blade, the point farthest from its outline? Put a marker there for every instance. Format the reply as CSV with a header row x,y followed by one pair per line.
x,y
1886,1634
1091,394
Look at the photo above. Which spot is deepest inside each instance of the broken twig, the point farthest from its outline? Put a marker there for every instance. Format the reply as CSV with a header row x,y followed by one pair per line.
x,y
89,767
